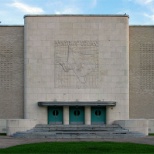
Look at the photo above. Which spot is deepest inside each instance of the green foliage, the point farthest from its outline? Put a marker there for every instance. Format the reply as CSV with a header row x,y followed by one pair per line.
x,y
80,148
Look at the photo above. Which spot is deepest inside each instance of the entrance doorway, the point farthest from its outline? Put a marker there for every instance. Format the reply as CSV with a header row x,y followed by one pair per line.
x,y
76,115
55,115
98,115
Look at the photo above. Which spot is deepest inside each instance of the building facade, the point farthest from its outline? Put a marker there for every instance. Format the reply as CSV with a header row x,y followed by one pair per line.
x,y
76,69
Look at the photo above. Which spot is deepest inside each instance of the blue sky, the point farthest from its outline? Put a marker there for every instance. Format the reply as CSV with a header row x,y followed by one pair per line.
x,y
141,12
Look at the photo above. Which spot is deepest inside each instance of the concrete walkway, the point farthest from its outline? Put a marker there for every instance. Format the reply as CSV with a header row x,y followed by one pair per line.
x,y
10,141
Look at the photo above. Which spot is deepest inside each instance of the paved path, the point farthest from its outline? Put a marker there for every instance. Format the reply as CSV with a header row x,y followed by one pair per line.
x,y
10,141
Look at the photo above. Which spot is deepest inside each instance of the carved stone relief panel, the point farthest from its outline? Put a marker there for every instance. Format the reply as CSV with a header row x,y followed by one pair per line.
x,y
76,64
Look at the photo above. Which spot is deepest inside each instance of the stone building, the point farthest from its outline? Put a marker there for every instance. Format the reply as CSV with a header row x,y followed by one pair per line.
x,y
76,69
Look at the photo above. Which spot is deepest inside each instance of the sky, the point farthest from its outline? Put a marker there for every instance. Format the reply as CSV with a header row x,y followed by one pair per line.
x,y
141,12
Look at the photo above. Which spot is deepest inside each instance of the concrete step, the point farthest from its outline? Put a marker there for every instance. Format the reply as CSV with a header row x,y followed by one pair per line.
x,y
77,126
77,135
49,128
77,131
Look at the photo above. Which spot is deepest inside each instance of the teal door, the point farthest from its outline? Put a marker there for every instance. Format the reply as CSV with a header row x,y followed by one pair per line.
x,y
98,115
76,115
55,115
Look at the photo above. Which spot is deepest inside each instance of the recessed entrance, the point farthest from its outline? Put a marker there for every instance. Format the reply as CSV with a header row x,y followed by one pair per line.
x,y
76,115
98,115
55,115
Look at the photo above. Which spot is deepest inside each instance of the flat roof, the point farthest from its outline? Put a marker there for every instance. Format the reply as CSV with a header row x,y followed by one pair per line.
x,y
77,103
129,25
11,25
141,25
77,15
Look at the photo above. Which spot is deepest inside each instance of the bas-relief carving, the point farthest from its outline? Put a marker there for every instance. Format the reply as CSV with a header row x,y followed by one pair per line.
x,y
76,64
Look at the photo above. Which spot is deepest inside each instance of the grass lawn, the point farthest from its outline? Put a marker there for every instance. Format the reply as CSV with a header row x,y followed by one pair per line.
x,y
80,148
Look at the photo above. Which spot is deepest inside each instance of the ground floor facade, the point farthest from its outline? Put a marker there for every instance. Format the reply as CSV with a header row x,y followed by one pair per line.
x,y
76,70
77,115
75,61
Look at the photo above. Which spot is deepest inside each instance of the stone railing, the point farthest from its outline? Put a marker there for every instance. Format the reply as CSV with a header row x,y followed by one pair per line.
x,y
3,126
138,125
19,125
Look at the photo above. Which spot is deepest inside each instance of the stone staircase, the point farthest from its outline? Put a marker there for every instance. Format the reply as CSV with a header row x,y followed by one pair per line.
x,y
78,132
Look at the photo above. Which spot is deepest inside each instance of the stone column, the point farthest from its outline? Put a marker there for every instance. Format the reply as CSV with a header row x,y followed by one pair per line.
x,y
66,115
87,115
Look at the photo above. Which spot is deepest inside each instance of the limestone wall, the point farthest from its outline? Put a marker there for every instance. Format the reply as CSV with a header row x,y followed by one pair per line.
x,y
151,126
136,125
3,126
19,125
141,72
11,71
69,58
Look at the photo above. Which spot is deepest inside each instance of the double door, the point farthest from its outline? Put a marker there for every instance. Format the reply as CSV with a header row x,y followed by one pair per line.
x,y
55,115
76,115
98,115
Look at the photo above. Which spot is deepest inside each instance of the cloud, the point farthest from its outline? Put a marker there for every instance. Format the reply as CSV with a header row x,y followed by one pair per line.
x,y
71,7
94,3
68,11
144,2
27,8
149,16
149,8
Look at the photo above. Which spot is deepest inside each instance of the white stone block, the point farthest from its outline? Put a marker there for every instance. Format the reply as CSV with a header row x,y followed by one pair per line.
x,y
2,125
151,125
140,125
18,125
66,115
87,115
